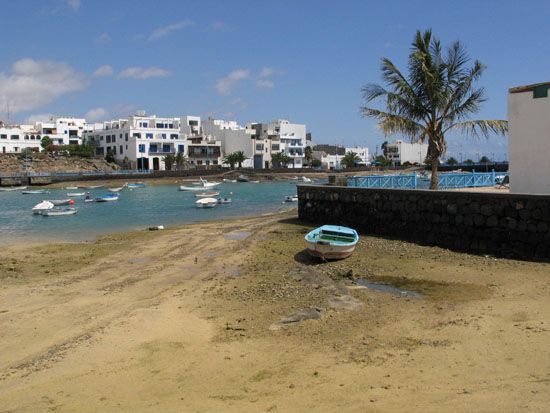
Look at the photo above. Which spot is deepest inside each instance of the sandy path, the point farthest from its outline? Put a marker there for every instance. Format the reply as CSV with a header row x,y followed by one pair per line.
x,y
172,321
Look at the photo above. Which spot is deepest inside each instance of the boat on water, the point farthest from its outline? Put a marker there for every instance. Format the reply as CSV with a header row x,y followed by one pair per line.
x,y
254,182
117,189
243,178
59,212
206,203
12,188
331,242
59,202
224,200
35,191
229,180
93,186
72,194
199,186
291,198
305,179
41,207
107,198
206,194
135,185
72,188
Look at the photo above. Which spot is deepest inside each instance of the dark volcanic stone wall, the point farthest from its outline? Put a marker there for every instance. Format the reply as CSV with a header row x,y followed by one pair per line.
x,y
500,224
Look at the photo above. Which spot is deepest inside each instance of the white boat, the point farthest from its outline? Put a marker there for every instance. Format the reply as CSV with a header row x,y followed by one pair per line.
x,y
117,189
12,188
229,180
331,242
59,202
206,203
243,178
34,191
254,182
107,198
206,194
41,207
91,186
135,185
72,194
224,200
71,187
305,179
291,198
58,212
206,184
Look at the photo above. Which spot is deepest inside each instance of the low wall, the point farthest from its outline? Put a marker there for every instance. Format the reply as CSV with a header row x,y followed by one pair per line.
x,y
500,224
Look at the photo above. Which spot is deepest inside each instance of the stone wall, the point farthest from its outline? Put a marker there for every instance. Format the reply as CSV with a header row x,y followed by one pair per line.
x,y
494,223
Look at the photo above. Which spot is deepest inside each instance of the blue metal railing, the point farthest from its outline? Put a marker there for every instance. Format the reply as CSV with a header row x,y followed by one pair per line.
x,y
411,181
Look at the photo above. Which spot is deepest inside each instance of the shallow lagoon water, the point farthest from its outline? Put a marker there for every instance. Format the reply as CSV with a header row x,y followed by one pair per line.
x,y
136,209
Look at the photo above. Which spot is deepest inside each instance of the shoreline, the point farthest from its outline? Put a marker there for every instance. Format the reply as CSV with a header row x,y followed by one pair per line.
x,y
98,325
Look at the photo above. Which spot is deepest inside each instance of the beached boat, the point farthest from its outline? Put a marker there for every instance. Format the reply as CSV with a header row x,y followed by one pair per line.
x,y
224,200
59,212
12,188
59,202
291,198
41,207
117,189
107,198
243,178
331,242
72,194
206,194
34,192
206,203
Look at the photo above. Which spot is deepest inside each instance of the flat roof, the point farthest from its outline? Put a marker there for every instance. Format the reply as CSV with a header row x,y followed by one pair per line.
x,y
527,88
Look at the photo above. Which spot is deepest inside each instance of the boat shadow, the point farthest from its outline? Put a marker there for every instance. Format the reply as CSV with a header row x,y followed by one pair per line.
x,y
304,258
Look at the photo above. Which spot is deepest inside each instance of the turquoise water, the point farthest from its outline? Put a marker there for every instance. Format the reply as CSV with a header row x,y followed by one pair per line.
x,y
136,209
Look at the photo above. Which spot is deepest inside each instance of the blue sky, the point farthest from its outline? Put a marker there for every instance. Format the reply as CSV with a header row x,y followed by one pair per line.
x,y
250,60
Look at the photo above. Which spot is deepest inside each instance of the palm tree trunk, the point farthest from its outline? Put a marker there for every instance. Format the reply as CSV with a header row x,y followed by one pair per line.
x,y
434,182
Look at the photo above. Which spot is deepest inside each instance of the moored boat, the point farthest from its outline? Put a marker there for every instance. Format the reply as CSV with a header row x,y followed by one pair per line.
x,y
331,242
135,185
107,198
305,179
291,198
229,180
206,203
59,202
117,189
34,192
72,194
243,178
12,188
206,194
224,200
58,212
41,207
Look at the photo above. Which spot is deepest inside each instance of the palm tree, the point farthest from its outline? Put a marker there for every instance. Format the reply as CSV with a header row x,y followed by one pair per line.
x,y
308,153
452,161
169,161
181,161
437,96
230,159
240,158
349,159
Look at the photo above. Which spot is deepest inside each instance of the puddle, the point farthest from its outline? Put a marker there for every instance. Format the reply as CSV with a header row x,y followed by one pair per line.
x,y
140,260
237,235
388,289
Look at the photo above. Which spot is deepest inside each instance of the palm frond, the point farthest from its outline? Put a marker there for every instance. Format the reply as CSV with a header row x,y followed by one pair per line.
x,y
392,124
480,128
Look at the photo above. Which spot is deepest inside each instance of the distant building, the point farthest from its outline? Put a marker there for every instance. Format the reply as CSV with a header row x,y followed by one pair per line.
x,y
400,152
529,138
14,139
362,153
62,130
144,140
232,138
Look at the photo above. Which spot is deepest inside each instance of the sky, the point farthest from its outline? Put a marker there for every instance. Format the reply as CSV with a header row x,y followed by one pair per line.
x,y
255,61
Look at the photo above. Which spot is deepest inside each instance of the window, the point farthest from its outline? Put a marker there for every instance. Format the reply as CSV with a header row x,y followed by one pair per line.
x,y
120,149
214,162
114,150
163,136
160,125
259,146
141,148
171,126
137,135
114,138
540,91
26,137
166,148
14,137
101,138
108,139
275,147
174,136
199,162
126,137
181,148
149,135
145,124
153,147
3,136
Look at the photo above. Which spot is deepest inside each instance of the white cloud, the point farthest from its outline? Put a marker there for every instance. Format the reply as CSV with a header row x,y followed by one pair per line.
x,y
105,70
103,38
142,73
35,83
265,84
41,117
218,26
267,72
93,115
166,30
74,4
226,84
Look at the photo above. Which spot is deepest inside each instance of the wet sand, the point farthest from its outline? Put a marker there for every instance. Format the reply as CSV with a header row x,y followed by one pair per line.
x,y
235,317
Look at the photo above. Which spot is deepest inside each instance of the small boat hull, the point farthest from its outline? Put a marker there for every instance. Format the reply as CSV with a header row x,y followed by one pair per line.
x,y
115,189
206,203
59,212
206,194
12,188
34,192
331,242
59,202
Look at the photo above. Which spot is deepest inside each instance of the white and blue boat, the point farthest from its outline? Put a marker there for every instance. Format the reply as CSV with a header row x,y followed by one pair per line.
x,y
331,242
135,185
107,198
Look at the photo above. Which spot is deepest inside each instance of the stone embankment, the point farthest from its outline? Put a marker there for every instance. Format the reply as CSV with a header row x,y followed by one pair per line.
x,y
14,163
501,224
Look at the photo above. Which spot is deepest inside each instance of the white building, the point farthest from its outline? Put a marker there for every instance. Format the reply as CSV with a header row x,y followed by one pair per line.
x,y
232,137
529,138
14,139
362,153
143,140
400,152
330,161
62,130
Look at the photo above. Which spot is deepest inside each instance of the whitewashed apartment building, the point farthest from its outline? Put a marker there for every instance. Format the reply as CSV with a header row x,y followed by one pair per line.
x,y
16,138
400,152
143,140
203,149
62,130
232,137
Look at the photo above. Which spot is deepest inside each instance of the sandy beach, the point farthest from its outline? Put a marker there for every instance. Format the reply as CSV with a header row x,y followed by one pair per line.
x,y
233,316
